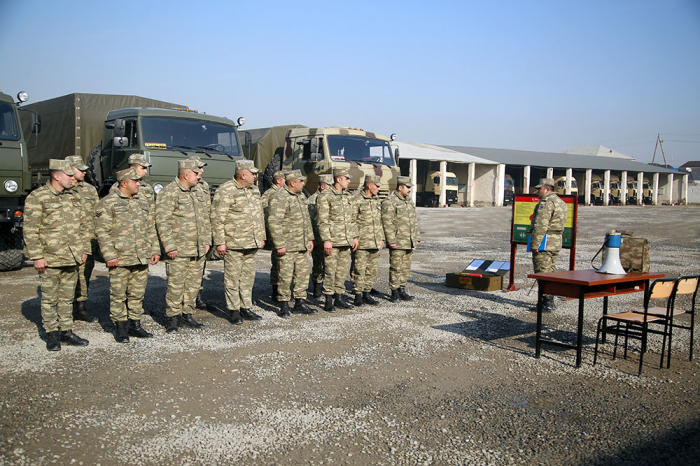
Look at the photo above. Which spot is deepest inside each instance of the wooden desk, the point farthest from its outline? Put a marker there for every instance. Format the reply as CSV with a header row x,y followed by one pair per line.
x,y
584,284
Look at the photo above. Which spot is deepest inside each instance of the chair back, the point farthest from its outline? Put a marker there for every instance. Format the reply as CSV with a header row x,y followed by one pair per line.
x,y
687,285
662,288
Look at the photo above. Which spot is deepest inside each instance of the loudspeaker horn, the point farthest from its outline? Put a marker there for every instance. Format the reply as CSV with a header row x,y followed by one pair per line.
x,y
611,264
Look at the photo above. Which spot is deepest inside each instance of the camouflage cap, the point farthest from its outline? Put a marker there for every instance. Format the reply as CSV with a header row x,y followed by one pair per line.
x,y
326,178
189,164
246,165
139,159
62,165
128,174
405,180
294,175
545,182
278,174
76,161
376,179
341,172
196,158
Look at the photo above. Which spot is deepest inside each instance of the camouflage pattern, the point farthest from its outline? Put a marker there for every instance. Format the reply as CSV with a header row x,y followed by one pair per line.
x,y
57,293
294,271
549,218
127,287
76,161
239,278
265,201
145,192
335,269
139,159
88,201
364,269
399,267
546,182
634,254
184,280
63,165
404,180
247,165
400,221
368,216
317,255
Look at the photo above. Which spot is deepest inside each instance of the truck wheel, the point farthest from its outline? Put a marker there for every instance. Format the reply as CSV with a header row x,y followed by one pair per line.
x,y
269,176
11,255
94,171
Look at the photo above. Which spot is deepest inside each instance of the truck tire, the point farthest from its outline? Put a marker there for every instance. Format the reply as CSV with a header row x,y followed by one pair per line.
x,y
11,255
269,175
94,172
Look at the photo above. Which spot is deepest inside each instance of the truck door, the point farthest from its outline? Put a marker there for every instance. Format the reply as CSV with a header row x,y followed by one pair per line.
x,y
121,154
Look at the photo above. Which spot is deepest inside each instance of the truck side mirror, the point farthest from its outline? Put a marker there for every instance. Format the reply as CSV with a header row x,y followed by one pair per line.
x,y
36,123
119,127
313,145
248,140
396,155
120,141
316,157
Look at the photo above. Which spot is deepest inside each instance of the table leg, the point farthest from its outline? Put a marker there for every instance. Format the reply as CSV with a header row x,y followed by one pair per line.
x,y
579,330
538,343
605,312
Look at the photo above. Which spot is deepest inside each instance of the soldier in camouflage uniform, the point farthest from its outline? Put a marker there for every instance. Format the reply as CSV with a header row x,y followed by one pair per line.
x,y
548,219
238,226
56,235
274,260
292,236
138,163
202,184
368,216
336,225
184,228
88,201
125,227
402,235
317,255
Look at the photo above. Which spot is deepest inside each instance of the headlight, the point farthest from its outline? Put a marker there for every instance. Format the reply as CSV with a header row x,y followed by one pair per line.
x,y
241,121
157,187
23,96
11,186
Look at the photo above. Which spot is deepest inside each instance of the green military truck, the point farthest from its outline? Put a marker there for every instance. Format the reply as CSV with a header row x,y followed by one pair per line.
x,y
315,151
428,193
15,178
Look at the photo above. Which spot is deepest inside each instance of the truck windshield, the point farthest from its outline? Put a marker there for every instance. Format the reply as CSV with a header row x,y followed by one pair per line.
x,y
359,149
181,133
8,122
449,181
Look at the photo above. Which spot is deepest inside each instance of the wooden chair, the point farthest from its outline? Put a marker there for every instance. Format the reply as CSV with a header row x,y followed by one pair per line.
x,y
636,324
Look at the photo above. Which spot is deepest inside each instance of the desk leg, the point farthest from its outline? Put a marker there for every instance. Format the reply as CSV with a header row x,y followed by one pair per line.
x,y
605,312
579,330
538,343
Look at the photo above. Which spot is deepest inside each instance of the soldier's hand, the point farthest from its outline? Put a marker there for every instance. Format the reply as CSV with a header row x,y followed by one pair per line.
x,y
155,258
263,245
221,249
327,247
392,246
83,259
40,265
172,254
112,263
311,246
355,243
281,251
206,251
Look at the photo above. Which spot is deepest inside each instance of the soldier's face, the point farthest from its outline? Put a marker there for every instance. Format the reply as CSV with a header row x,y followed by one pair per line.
x,y
542,191
296,186
131,187
63,180
246,178
79,175
404,190
373,188
141,170
189,179
343,181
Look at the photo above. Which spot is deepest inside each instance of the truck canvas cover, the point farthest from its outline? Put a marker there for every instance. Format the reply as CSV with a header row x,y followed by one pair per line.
x,y
264,143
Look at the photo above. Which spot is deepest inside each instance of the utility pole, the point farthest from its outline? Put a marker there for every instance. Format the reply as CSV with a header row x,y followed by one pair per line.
x,y
659,143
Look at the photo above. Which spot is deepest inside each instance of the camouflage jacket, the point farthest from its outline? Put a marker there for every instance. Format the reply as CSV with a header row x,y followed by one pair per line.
x,y
55,226
313,213
549,217
290,225
182,219
400,221
368,217
336,222
237,216
145,192
126,229
265,201
88,199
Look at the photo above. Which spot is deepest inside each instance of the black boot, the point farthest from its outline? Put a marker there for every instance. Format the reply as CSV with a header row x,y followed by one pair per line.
x,y
121,332
53,341
284,310
548,304
235,317
71,338
188,320
200,304
300,307
405,296
275,293
395,296
318,289
329,307
137,331
358,300
367,298
247,314
338,302
80,312
173,324
374,292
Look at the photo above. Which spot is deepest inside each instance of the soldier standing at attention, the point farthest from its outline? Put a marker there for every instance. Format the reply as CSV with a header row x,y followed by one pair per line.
x,y
292,236
202,184
317,255
55,232
238,226
368,216
138,163
336,224
126,230
184,228
402,236
274,260
548,219
88,201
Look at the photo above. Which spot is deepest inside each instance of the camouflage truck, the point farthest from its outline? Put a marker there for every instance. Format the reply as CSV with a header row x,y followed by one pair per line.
x,y
15,178
428,193
315,151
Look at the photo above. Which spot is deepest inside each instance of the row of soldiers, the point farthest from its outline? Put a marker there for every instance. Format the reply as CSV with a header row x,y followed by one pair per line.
x,y
64,223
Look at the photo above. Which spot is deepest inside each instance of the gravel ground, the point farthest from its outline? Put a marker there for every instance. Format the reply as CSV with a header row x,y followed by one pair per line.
x,y
449,378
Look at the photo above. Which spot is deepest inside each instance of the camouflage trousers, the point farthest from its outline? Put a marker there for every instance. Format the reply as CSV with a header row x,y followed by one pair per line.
x,y
274,268
127,287
57,293
544,261
399,267
336,269
318,257
239,278
364,269
84,274
294,270
184,279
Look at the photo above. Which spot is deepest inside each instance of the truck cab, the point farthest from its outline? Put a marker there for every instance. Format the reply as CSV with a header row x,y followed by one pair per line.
x,y
508,190
560,185
428,194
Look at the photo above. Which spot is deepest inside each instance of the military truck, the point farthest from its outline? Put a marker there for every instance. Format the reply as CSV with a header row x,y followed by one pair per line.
x,y
615,190
597,190
560,185
508,190
647,192
15,178
315,151
428,193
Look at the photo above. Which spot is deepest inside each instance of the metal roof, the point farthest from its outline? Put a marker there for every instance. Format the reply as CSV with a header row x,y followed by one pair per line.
x,y
419,151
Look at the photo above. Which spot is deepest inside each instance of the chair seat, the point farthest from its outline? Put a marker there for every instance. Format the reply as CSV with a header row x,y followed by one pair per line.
x,y
660,311
631,317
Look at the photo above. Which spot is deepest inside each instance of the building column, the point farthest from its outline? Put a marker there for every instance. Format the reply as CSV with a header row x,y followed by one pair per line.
x,y
623,188
684,190
569,175
606,187
500,179
655,192
640,187
443,183
412,169
526,180
471,172
587,188
670,189
550,173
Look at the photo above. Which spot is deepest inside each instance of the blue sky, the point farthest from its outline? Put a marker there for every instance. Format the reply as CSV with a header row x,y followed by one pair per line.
x,y
531,75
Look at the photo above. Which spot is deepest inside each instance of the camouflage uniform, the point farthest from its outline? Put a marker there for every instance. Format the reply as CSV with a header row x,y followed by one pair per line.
x,y
400,228
290,228
550,218
183,223
317,255
368,216
274,259
238,222
146,192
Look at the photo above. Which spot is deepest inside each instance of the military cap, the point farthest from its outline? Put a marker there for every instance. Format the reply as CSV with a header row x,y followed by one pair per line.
x,y
405,180
278,174
246,165
341,172
196,158
545,182
76,161
294,175
63,165
189,164
326,178
139,159
128,174
376,179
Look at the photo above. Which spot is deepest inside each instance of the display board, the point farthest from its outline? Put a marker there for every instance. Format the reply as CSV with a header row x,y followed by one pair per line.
x,y
524,208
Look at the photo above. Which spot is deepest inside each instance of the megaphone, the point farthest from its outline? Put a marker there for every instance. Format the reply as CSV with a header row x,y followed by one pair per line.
x,y
611,264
